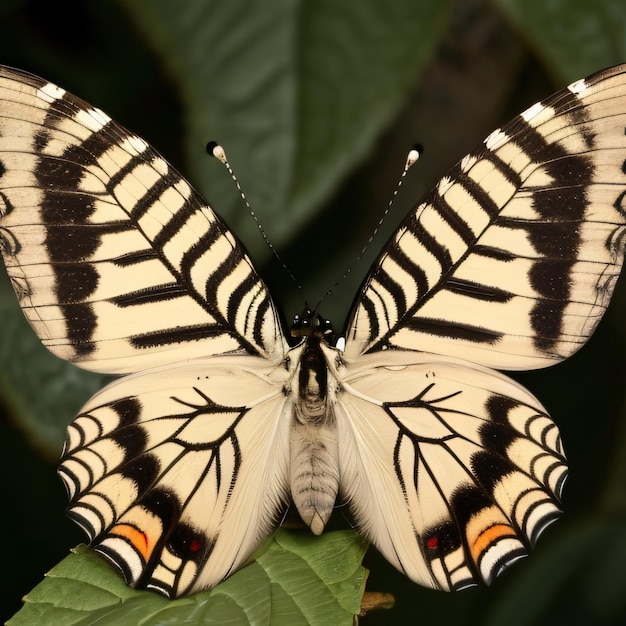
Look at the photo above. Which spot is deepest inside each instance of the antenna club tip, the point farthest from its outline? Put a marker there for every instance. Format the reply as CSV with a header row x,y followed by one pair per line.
x,y
214,149
412,156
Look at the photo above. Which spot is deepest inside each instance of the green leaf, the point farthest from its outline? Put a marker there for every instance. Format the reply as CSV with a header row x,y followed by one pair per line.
x,y
573,37
296,92
296,579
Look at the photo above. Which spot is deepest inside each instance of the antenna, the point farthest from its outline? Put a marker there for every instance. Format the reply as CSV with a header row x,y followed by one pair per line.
x,y
217,151
412,157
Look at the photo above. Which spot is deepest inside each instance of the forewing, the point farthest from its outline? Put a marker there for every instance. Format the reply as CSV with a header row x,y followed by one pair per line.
x,y
451,471
118,264
177,475
512,259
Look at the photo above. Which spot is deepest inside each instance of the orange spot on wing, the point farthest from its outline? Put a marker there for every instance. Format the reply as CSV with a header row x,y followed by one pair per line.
x,y
490,536
139,539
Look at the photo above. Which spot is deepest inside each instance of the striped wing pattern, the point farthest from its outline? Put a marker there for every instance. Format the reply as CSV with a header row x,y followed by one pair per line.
x,y
469,462
512,259
178,484
118,263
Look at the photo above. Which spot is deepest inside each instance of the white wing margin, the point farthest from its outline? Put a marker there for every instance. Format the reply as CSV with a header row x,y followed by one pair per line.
x,y
450,470
178,483
512,259
118,264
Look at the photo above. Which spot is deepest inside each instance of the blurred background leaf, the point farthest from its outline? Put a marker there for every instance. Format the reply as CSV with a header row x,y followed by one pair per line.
x,y
316,105
274,91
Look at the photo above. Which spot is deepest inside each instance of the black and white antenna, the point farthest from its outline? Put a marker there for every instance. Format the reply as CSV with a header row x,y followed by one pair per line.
x,y
412,156
217,151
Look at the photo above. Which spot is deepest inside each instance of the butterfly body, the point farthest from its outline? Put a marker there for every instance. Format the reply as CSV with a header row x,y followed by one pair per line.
x,y
181,468
314,453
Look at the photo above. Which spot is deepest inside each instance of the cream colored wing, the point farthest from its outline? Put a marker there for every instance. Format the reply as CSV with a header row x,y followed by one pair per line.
x,y
511,260
451,470
177,475
118,264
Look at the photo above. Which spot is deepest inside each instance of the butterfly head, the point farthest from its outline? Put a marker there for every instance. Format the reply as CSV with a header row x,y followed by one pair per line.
x,y
311,324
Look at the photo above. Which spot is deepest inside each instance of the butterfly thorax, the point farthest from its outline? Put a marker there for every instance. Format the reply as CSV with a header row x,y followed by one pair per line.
x,y
311,406
313,460
312,380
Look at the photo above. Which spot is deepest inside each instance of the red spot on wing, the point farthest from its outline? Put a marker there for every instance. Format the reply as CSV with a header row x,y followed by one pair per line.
x,y
432,543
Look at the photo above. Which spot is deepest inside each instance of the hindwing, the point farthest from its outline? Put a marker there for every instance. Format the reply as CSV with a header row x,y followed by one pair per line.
x,y
450,469
177,475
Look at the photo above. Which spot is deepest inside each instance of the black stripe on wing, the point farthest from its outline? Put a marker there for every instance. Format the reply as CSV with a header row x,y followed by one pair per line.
x,y
138,264
513,255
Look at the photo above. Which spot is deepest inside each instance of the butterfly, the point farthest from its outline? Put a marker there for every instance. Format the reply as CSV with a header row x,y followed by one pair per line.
x,y
178,470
